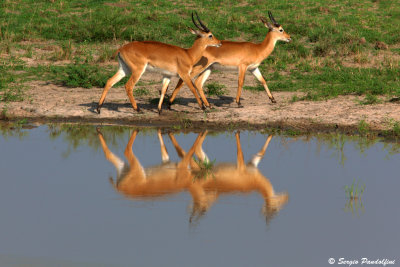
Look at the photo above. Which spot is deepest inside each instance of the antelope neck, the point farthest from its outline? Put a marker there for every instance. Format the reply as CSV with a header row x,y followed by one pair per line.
x,y
197,50
268,44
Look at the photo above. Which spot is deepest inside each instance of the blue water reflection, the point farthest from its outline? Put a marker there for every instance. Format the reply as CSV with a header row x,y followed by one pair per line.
x,y
59,209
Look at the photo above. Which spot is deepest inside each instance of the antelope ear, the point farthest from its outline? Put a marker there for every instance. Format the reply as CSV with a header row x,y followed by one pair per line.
x,y
194,31
266,23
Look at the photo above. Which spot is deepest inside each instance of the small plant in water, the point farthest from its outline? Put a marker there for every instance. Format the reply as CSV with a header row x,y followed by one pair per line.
x,y
205,168
354,191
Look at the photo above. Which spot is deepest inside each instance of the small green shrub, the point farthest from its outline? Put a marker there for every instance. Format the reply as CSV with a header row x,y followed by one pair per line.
x,y
370,100
215,88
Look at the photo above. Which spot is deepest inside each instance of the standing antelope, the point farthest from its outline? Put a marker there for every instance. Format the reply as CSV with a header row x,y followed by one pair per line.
x,y
134,181
244,55
169,60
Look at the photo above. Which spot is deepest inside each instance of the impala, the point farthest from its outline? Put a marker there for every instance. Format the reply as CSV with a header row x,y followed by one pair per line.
x,y
135,181
243,55
169,60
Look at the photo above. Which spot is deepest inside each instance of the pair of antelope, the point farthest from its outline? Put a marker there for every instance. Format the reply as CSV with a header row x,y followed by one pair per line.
x,y
168,178
136,57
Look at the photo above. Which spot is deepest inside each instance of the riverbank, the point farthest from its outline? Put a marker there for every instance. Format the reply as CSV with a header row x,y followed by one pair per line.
x,y
47,102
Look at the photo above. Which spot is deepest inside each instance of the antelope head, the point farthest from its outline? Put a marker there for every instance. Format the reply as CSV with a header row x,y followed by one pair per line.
x,y
204,33
276,29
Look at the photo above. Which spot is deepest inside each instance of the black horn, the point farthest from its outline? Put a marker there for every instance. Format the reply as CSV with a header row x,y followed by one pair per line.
x,y
203,27
201,23
264,20
276,24
195,24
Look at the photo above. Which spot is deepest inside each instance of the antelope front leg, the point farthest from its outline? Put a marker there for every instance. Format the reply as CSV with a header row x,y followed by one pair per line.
x,y
199,85
197,68
192,87
256,72
242,72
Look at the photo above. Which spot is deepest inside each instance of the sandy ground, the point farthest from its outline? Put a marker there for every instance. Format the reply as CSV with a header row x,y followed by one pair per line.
x,y
49,102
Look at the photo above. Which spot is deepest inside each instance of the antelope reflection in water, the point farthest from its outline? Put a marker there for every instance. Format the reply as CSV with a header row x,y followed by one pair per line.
x,y
168,178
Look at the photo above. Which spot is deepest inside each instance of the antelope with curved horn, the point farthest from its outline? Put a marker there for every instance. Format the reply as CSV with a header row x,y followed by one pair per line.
x,y
137,57
227,178
243,55
135,181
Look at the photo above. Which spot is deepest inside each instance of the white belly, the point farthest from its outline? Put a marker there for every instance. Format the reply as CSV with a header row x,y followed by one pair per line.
x,y
163,72
217,66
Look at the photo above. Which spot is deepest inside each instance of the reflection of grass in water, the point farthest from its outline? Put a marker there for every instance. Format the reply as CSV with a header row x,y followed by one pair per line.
x,y
17,129
354,206
205,169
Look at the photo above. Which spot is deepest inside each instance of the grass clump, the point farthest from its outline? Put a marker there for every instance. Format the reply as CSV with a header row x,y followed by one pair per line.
x,y
83,75
79,74
215,88
370,100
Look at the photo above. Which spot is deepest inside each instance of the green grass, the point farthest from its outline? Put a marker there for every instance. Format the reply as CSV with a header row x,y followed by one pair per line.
x,y
363,128
258,88
370,100
214,88
326,58
81,75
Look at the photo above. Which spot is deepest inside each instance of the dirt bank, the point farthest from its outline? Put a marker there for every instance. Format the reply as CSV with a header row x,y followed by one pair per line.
x,y
49,102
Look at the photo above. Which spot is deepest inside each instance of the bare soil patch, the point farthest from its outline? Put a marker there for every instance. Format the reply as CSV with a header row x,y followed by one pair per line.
x,y
47,102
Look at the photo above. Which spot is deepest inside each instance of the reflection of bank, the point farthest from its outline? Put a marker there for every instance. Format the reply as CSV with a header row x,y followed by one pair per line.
x,y
134,181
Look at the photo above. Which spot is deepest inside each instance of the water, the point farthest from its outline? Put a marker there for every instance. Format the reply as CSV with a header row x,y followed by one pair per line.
x,y
59,208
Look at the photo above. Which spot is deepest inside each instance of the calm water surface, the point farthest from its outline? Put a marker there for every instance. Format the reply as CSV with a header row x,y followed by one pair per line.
x,y
76,197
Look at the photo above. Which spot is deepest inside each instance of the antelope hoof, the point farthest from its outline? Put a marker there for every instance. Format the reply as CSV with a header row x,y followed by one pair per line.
x,y
98,109
98,130
203,107
273,100
239,105
138,110
159,111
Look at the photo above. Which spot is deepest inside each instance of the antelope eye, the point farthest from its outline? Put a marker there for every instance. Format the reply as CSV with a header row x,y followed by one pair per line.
x,y
281,30
210,36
